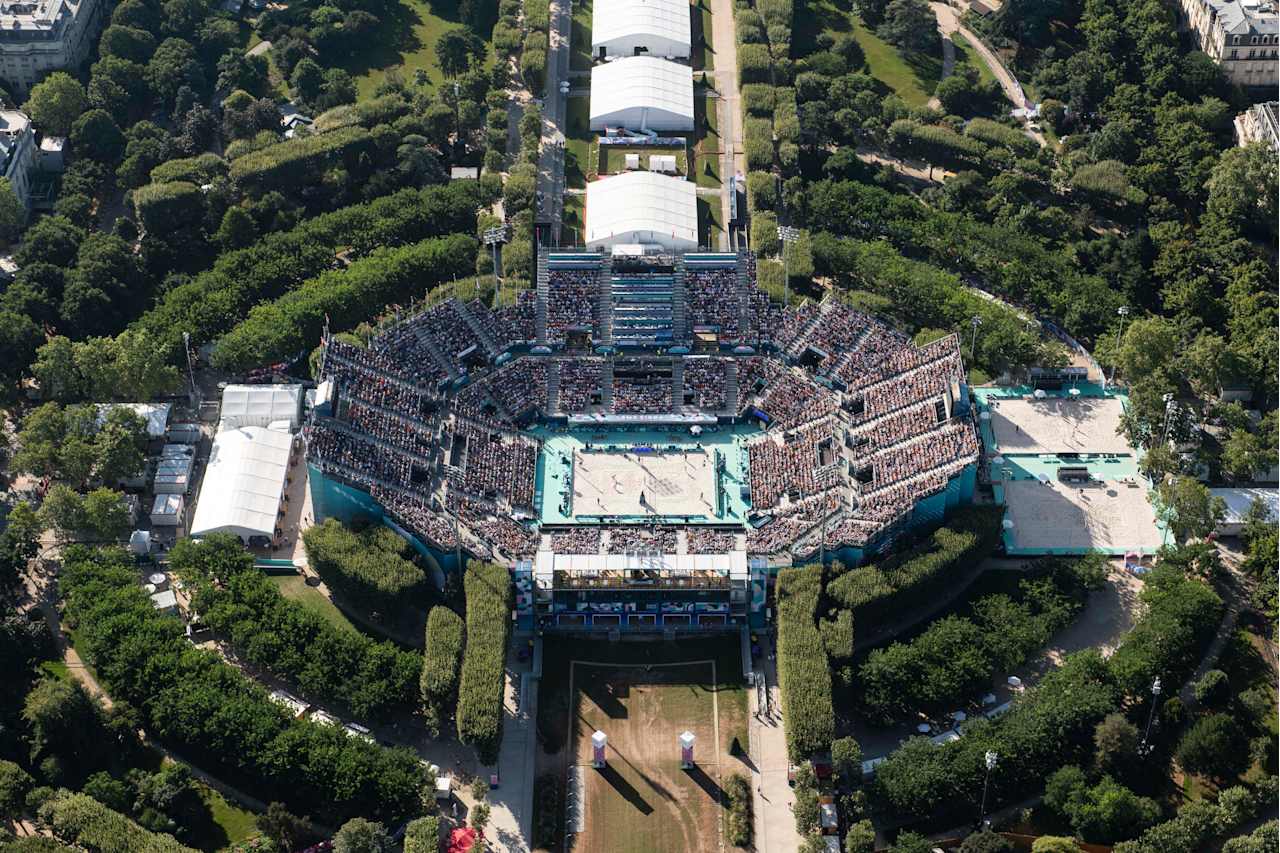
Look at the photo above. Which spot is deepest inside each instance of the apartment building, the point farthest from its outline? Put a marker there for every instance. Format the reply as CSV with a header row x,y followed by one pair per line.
x,y
1240,35
41,36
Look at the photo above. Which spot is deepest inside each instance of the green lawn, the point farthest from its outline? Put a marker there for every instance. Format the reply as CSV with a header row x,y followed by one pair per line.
x,y
578,162
613,158
580,37
704,53
913,77
706,150
405,42
223,824
966,53
295,587
56,668
572,219
710,224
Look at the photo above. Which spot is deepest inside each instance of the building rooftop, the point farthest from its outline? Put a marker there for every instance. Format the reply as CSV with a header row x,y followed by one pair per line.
x,y
645,83
621,19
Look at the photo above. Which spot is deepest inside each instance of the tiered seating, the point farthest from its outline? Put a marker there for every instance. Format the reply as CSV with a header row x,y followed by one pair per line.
x,y
777,469
571,297
579,380
705,379
713,291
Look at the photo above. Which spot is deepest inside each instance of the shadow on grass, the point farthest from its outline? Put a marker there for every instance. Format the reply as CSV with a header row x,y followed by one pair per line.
x,y
706,783
625,788
395,37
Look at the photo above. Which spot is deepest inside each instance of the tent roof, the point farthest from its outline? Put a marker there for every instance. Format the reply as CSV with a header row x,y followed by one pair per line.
x,y
641,201
156,415
624,19
262,402
641,82
243,482
1239,500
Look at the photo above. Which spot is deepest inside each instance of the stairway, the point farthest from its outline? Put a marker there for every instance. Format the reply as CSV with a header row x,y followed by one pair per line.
x,y
606,386
446,364
745,286
544,294
476,328
677,384
731,386
679,310
798,343
604,305
553,386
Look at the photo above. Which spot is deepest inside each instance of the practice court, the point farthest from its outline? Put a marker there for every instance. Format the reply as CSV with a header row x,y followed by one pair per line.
x,y
1057,425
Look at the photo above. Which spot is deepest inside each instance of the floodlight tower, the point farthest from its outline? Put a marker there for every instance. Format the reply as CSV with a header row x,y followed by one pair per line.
x,y
1123,311
686,750
787,235
599,741
493,238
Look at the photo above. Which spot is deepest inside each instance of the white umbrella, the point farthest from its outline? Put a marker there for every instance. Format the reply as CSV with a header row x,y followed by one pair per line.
x,y
924,728
1007,524
999,460
1042,477
1075,392
148,588
1040,395
959,716
157,578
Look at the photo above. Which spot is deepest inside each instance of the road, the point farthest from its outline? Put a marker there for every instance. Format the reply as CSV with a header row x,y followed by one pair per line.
x,y
732,160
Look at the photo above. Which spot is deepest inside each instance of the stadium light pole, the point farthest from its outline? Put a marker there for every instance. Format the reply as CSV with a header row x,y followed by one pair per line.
x,y
1123,311
191,374
1151,715
1168,407
975,322
787,235
493,238
990,759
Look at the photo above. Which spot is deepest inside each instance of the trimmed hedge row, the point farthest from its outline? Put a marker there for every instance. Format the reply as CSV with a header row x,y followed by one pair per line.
x,y
443,656
292,324
803,674
905,579
287,163
81,820
369,567
168,206
934,144
480,690
373,680
197,170
190,699
994,133
217,299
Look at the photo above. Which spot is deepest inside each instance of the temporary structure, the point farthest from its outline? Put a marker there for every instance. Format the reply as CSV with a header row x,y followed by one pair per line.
x,y
243,483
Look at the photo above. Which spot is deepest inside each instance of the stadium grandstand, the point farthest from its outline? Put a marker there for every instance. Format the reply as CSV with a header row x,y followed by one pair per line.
x,y
643,438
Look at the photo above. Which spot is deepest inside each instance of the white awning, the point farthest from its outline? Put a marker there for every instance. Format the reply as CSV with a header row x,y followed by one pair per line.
x,y
642,207
660,27
642,93
243,483
259,405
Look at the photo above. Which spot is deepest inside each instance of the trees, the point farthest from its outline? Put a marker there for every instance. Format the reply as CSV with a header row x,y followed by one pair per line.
x,y
846,759
1102,813
361,836
174,65
1116,742
370,568
82,820
13,215
97,136
422,835
986,841
480,688
55,103
803,674
1187,507
1213,746
861,838
441,659
1054,844
62,511
910,24
105,514
14,784
456,49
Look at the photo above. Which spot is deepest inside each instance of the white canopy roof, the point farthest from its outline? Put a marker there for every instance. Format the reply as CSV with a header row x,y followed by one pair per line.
x,y
243,483
661,25
259,405
642,207
1239,500
156,415
642,93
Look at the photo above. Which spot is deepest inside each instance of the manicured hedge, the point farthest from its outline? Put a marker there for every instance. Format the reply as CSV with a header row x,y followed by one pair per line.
x,y
994,133
762,191
877,592
212,714
759,100
488,591
749,28
934,144
164,207
81,820
373,680
440,663
422,835
293,323
803,674
757,143
753,64
737,819
287,164
217,299
1107,180
370,568
197,170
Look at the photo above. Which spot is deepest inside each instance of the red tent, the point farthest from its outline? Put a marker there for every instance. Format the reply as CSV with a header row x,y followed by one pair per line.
x,y
461,840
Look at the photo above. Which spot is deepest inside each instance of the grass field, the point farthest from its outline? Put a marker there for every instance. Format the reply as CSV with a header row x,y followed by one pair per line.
x,y
710,224
578,163
706,117
704,54
613,158
643,695
572,219
295,587
966,53
405,42
913,76
580,37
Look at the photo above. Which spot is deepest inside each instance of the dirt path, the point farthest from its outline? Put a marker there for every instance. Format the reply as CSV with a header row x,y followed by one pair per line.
x,y
947,24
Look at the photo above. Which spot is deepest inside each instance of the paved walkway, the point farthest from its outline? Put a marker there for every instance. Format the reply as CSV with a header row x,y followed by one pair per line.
x,y
732,160
511,815
554,106
775,825
947,24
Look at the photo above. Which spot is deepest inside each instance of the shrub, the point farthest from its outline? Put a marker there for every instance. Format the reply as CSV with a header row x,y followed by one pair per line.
x,y
994,133
422,835
737,822
533,66
762,191
164,207
195,703
749,28
1214,746
1181,616
753,64
480,690
1213,688
837,636
934,144
913,576
293,323
81,820
764,234
803,674
294,162
369,568
537,15
1106,180
758,100
373,680
757,144
196,170
443,655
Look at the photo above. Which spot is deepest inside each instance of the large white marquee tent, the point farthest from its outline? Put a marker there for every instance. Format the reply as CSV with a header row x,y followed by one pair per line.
x,y
656,27
642,207
642,93
243,482
260,405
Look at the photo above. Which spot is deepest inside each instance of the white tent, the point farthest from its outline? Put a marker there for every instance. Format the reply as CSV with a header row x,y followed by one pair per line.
x,y
156,415
642,207
259,405
243,483
1238,501
656,27
642,93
